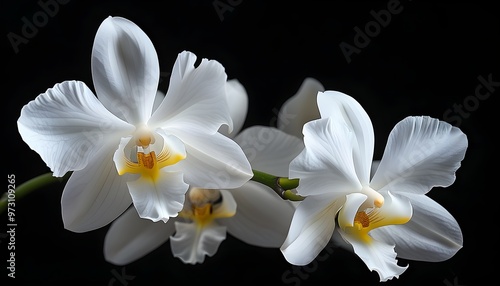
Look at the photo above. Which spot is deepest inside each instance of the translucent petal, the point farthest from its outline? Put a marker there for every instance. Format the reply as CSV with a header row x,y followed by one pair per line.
x,y
311,229
125,69
195,96
269,149
95,195
238,107
158,99
262,217
159,199
300,108
326,164
432,234
191,243
67,126
343,108
130,237
421,153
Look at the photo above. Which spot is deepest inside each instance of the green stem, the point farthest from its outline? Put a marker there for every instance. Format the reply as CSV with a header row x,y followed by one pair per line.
x,y
280,185
288,184
27,187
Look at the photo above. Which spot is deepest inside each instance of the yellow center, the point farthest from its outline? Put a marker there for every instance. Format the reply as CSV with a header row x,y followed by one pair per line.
x,y
148,164
204,206
361,220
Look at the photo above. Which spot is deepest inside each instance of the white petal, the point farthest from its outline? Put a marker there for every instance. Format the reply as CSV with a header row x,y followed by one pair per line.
x,y
432,234
195,96
343,107
300,108
269,149
378,256
160,199
67,125
213,161
238,107
262,217
326,164
96,195
421,153
311,229
192,242
130,237
348,212
125,69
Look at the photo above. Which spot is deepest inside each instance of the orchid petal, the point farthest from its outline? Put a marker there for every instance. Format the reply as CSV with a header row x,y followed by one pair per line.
x,y
192,242
432,234
421,153
196,96
262,218
213,161
237,98
95,195
130,237
349,210
125,69
326,164
341,107
159,199
378,256
311,228
300,108
269,149
67,125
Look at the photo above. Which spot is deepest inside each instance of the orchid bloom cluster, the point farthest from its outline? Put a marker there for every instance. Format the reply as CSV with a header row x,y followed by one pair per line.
x,y
177,167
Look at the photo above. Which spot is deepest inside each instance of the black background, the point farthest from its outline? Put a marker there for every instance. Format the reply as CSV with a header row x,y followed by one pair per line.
x,y
425,61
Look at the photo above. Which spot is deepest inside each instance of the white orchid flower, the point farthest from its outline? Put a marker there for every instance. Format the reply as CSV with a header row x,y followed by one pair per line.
x,y
252,213
123,151
381,214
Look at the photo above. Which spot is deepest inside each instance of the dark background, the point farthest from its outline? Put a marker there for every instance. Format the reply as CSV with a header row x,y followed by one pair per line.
x,y
425,61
